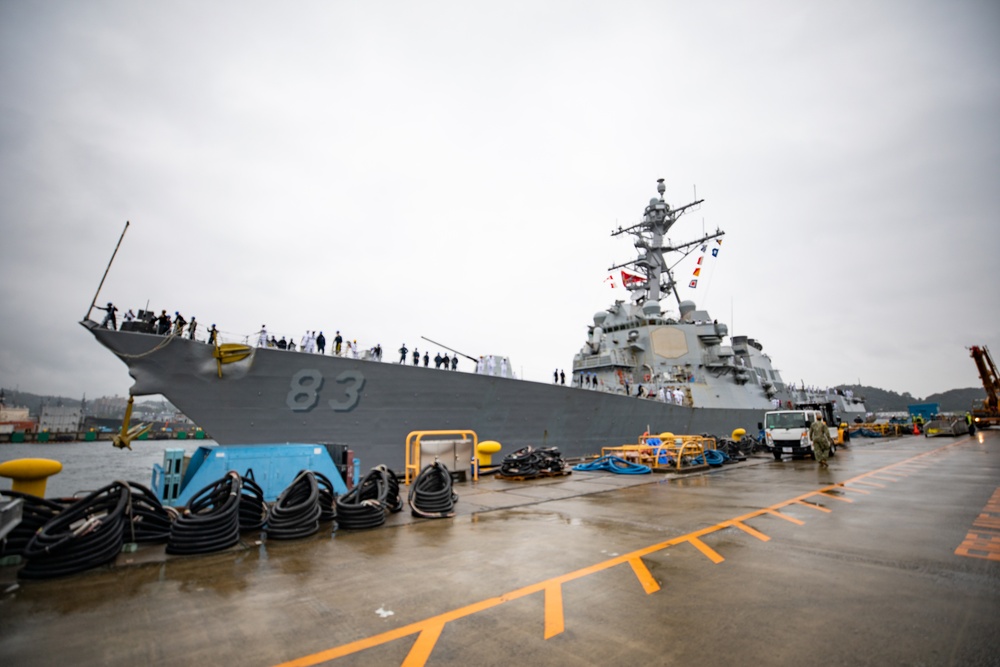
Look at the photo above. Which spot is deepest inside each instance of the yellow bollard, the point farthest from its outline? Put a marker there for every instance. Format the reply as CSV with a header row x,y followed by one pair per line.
x,y
486,450
30,475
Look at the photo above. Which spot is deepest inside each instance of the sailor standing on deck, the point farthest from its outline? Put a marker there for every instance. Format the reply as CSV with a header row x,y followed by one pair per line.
x,y
262,336
192,326
402,354
110,317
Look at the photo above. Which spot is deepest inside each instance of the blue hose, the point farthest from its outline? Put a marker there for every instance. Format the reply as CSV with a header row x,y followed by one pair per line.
x,y
614,464
713,456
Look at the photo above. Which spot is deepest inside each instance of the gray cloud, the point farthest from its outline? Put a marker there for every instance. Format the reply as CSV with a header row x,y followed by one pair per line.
x,y
453,171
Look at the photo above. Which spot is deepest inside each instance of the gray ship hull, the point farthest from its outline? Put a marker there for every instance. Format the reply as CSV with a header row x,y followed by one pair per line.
x,y
276,396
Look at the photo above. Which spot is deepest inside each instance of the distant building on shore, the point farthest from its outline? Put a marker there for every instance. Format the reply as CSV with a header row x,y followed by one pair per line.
x,y
60,419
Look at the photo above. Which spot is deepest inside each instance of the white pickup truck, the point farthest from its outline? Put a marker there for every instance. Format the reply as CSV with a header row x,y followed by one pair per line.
x,y
787,432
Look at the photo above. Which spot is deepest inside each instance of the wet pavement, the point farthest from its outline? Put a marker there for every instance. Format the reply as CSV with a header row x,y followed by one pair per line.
x,y
892,556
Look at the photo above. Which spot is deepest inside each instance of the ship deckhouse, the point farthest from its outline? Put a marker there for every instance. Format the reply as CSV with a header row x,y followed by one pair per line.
x,y
675,356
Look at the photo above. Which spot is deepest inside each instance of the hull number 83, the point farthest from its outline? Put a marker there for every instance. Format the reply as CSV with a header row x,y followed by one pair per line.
x,y
307,384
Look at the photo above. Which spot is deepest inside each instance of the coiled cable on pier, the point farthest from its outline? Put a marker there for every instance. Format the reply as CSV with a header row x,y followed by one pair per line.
x,y
614,464
253,509
88,533
327,499
35,513
550,460
296,512
714,457
365,505
431,495
522,463
211,521
531,462
149,520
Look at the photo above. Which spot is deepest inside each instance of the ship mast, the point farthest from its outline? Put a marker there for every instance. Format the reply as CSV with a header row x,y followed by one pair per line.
x,y
649,235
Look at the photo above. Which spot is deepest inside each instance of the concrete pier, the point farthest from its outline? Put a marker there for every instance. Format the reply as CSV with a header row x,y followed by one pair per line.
x,y
892,556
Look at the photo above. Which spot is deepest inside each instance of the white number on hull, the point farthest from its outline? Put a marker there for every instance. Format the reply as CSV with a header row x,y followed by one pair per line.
x,y
303,395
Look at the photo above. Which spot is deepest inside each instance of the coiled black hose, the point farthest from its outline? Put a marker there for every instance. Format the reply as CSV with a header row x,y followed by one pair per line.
x,y
327,500
253,509
86,534
35,513
522,463
431,494
149,520
365,505
211,521
550,460
296,512
531,462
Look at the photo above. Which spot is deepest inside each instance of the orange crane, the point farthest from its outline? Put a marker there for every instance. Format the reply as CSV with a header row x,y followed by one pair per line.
x,y
987,412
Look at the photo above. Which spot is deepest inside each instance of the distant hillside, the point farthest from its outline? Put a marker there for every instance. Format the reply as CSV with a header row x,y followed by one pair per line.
x,y
881,400
14,399
22,399
957,400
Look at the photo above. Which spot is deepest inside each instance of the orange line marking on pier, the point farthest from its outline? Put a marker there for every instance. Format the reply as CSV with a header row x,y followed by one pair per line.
x,y
867,483
786,517
429,630
828,494
421,651
707,550
851,488
984,540
747,529
815,506
645,577
555,622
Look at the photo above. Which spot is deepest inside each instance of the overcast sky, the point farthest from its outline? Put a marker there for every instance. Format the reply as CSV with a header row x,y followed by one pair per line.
x,y
454,170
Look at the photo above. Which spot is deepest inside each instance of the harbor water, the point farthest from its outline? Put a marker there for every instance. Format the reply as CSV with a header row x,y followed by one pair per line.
x,y
90,465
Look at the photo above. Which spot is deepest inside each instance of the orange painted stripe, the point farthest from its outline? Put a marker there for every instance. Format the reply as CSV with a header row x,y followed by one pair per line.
x,y
987,521
866,483
850,488
707,550
786,517
827,493
645,577
421,651
984,542
555,622
815,506
747,529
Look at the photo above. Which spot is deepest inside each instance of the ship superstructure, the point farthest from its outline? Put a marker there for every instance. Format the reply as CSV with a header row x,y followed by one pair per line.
x,y
638,348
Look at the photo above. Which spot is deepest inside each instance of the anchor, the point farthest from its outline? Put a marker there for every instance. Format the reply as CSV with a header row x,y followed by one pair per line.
x,y
127,435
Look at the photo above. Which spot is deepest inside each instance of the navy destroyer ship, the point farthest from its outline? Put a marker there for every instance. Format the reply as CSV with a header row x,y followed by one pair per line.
x,y
642,367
